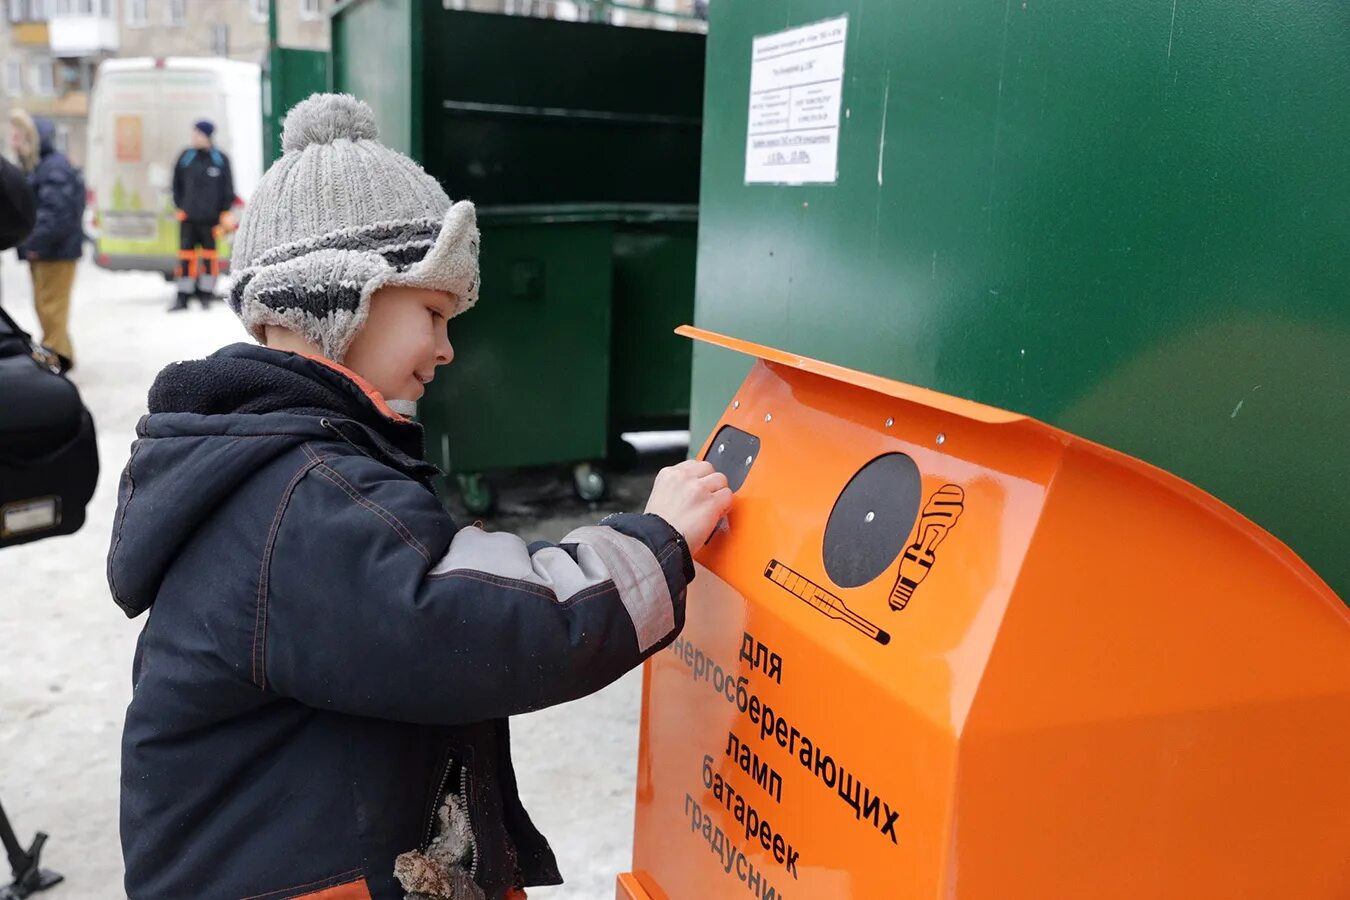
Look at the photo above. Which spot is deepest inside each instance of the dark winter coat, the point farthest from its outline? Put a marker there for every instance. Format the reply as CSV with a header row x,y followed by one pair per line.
x,y
59,230
326,654
18,208
203,186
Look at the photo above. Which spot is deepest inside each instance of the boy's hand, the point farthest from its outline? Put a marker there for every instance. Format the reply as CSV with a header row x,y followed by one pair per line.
x,y
692,497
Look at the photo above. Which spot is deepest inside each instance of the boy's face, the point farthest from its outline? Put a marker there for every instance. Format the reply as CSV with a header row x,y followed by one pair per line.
x,y
403,341
199,140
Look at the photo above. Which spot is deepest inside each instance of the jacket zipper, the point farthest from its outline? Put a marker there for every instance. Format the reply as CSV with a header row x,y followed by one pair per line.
x,y
462,791
436,799
464,802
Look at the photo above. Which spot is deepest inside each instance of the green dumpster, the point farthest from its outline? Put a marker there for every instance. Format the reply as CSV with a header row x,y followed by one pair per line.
x,y
579,143
1128,220
571,347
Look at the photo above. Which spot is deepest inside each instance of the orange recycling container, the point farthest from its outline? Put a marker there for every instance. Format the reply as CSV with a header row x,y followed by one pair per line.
x,y
945,651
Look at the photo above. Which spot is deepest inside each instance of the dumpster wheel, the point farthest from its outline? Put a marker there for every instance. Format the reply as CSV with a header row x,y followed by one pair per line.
x,y
589,482
477,495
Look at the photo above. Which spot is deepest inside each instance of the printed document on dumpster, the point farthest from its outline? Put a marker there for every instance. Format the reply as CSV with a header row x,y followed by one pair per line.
x,y
796,80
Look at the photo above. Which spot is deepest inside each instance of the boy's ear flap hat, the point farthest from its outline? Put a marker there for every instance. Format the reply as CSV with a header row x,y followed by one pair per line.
x,y
338,217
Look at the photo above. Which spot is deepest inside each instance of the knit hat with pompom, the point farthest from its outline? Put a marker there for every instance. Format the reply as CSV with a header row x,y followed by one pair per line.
x,y
338,217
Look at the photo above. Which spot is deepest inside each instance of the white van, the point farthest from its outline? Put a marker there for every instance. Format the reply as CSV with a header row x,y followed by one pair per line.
x,y
140,119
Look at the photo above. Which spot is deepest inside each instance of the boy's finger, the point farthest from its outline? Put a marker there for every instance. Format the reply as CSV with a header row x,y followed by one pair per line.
x,y
713,481
695,467
723,498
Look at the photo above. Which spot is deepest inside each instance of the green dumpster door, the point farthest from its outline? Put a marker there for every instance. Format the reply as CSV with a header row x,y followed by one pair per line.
x,y
1130,220
530,378
377,56
291,76
653,295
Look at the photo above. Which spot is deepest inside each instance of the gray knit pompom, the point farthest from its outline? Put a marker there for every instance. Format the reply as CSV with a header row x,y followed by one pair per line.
x,y
324,118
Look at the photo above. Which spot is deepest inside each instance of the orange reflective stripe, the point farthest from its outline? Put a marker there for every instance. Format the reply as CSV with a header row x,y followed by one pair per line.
x,y
187,264
349,890
212,258
352,890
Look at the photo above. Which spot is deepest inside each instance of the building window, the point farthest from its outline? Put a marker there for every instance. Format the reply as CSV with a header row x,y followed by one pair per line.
x,y
42,77
137,14
220,40
175,12
258,9
310,9
28,10
13,77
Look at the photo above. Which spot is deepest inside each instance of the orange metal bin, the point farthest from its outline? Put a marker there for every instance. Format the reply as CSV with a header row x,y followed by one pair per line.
x,y
945,651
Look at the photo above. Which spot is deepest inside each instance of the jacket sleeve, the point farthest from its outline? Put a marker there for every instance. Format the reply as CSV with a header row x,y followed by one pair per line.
x,y
226,184
178,182
371,604
53,188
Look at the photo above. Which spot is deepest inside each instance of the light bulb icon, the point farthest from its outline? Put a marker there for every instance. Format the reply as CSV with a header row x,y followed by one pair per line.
x,y
938,518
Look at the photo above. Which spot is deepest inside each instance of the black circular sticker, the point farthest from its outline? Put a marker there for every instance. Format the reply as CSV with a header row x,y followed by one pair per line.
x,y
871,520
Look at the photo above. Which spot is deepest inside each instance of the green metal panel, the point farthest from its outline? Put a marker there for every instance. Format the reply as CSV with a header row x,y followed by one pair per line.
x,y
531,369
377,56
653,295
290,76
1127,219
524,110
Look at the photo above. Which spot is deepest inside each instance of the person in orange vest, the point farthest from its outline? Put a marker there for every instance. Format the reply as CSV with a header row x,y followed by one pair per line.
x,y
203,192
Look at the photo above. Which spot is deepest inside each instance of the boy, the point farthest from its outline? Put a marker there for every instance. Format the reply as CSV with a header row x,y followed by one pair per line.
x,y
323,685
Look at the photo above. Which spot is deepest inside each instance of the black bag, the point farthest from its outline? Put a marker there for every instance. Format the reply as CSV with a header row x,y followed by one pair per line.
x,y
48,455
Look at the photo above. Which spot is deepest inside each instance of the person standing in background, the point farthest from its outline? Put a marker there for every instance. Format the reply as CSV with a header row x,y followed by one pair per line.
x,y
54,246
203,192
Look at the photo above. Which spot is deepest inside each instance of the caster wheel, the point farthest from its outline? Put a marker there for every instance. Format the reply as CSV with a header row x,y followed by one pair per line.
x,y
589,482
477,494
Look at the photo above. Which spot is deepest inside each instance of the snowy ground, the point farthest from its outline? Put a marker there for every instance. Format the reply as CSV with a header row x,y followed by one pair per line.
x,y
65,649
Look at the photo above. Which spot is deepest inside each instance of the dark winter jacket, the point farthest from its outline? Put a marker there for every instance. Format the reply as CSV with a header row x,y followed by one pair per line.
x,y
203,186
326,654
59,188
18,209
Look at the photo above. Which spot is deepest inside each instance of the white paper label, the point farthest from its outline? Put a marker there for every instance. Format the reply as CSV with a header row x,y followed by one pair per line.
x,y
796,81
34,516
